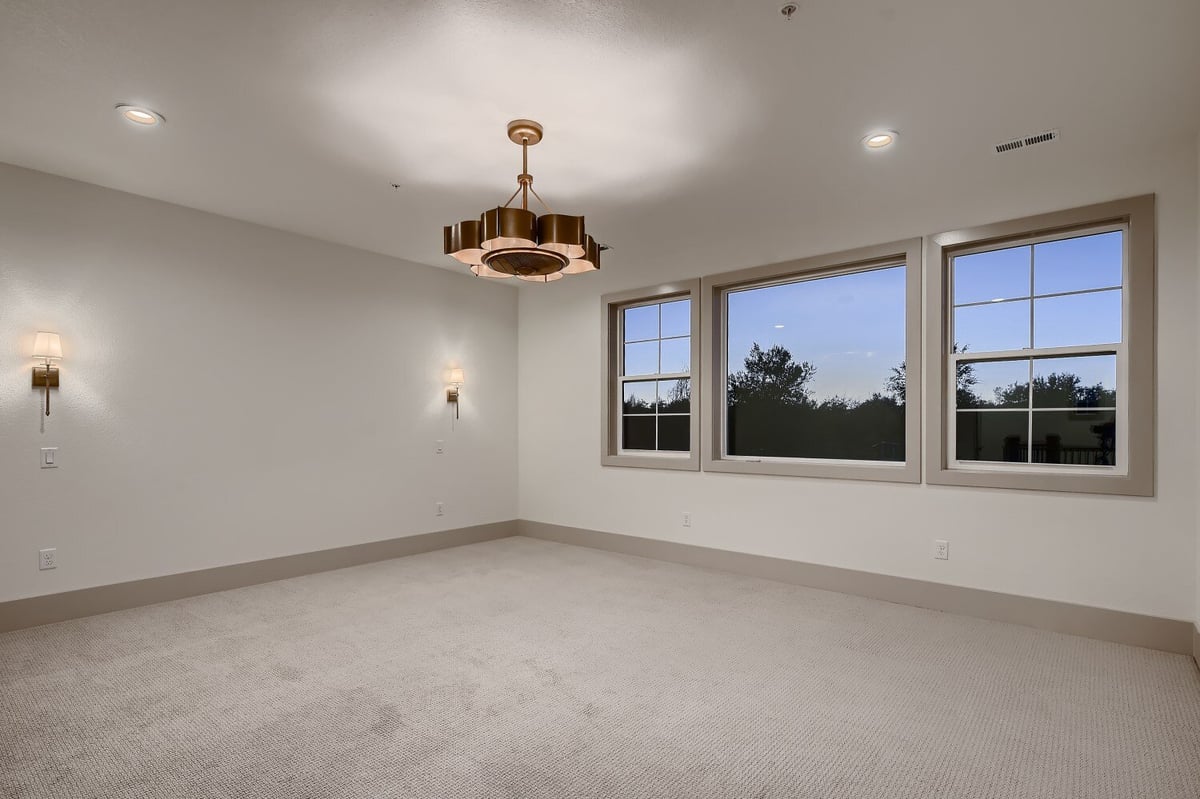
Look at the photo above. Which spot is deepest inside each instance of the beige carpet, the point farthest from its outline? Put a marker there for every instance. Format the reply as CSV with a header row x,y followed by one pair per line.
x,y
521,668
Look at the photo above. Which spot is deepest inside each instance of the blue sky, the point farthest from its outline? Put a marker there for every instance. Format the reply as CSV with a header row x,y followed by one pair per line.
x,y
851,327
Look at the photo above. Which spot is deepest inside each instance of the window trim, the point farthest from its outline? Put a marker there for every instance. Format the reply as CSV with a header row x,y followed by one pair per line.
x,y
713,326
1136,353
610,378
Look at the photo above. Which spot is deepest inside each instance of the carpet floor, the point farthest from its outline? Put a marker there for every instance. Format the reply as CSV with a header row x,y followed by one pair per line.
x,y
526,669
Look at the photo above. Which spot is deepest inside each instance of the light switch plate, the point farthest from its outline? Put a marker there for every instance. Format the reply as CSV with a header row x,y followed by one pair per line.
x,y
49,457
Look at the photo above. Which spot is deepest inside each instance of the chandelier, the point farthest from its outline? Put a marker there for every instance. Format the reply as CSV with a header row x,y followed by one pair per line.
x,y
514,242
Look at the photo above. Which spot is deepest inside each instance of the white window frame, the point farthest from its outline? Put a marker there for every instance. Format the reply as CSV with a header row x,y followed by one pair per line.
x,y
1133,471
715,291
612,452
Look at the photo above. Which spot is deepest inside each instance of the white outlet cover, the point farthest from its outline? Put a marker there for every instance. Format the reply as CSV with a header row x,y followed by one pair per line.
x,y
46,559
941,549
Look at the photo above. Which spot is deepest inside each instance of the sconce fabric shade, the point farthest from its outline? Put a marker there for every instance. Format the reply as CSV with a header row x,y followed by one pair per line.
x,y
47,347
455,377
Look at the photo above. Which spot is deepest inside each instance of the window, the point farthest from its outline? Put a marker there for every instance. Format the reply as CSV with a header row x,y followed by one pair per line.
x,y
651,348
655,376
812,362
1048,334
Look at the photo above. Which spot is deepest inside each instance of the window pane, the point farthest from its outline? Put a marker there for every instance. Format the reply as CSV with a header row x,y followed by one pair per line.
x,y
993,436
641,323
1084,262
674,396
637,432
1077,319
984,276
813,368
988,328
641,358
993,384
639,397
676,318
674,433
676,356
1080,438
1089,382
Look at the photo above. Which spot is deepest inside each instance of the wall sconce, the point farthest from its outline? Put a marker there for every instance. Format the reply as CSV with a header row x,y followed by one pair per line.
x,y
47,347
456,380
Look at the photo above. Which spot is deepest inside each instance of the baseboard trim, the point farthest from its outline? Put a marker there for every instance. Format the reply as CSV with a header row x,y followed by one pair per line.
x,y
1196,644
1170,635
32,612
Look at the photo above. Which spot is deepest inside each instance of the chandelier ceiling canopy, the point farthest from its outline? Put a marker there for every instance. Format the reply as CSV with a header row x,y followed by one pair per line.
x,y
509,242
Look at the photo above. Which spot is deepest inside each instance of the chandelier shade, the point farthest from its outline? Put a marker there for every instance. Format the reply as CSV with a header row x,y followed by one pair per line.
x,y
515,242
550,278
483,270
508,227
589,262
462,241
562,234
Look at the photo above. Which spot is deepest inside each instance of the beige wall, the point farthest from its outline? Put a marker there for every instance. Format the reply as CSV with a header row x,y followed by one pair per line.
x,y
232,392
1123,553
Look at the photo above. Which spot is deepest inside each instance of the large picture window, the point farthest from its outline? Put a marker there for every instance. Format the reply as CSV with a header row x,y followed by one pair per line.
x,y
812,362
651,354
816,368
1045,331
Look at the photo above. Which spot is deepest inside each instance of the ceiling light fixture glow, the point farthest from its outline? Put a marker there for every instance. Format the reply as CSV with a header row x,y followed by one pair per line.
x,y
880,139
138,115
514,242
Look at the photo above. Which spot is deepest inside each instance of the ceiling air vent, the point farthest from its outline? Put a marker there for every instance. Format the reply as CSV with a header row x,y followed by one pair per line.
x,y
1027,141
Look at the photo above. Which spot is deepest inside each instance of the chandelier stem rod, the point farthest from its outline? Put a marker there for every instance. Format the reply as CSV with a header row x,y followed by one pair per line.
x,y
539,199
525,171
512,196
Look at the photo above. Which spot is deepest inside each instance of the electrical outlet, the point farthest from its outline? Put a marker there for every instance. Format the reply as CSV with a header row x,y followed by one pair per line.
x,y
439,447
46,559
441,509
941,549
49,457
687,519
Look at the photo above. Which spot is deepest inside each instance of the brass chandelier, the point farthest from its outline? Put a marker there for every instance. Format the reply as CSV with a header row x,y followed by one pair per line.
x,y
514,242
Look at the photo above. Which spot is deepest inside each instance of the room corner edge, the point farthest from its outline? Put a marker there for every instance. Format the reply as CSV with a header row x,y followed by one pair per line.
x,y
1115,626
18,614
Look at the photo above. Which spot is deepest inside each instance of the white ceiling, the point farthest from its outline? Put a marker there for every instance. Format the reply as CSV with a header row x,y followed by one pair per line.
x,y
691,129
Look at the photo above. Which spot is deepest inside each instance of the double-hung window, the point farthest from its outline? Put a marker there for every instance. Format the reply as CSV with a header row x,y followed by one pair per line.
x,y
1046,352
650,409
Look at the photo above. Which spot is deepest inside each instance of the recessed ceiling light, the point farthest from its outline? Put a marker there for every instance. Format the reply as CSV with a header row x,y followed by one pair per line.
x,y
140,115
880,139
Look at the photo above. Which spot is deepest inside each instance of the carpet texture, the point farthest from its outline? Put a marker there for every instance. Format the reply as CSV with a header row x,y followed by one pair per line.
x,y
523,668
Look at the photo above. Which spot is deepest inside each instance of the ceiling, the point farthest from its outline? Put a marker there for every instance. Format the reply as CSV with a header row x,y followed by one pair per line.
x,y
685,129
